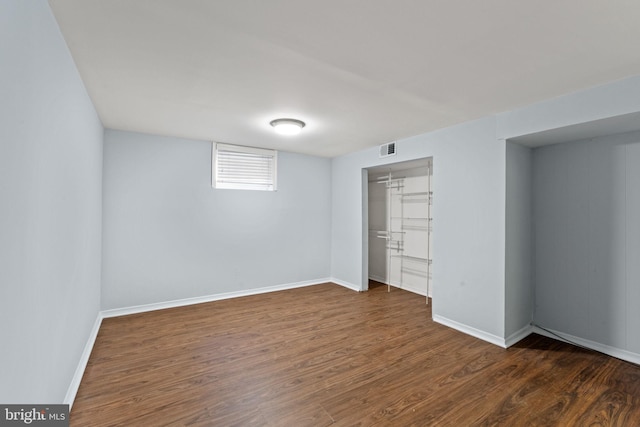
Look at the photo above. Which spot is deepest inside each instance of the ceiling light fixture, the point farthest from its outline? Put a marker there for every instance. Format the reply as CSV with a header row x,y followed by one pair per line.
x,y
287,126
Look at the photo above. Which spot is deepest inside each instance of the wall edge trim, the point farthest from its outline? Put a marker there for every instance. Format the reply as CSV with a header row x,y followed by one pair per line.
x,y
72,390
518,336
469,330
346,284
596,346
124,311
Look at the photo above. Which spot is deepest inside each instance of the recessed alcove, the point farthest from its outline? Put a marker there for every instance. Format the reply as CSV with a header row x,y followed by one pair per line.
x,y
573,234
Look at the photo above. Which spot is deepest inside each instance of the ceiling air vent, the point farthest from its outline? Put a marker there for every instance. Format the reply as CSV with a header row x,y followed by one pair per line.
x,y
388,149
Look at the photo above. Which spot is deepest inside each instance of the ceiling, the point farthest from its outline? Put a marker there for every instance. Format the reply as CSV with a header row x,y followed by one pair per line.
x,y
358,72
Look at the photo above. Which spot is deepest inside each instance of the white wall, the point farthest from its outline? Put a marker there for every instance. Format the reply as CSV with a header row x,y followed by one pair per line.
x,y
169,235
519,242
608,100
377,210
587,206
469,218
561,224
50,217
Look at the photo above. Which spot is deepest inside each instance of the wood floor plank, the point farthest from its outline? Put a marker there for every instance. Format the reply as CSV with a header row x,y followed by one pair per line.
x,y
324,355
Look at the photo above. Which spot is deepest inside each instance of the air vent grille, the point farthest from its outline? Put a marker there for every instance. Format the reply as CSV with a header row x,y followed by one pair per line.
x,y
388,149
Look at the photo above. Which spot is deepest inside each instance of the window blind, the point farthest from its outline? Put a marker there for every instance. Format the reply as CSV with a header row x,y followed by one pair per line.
x,y
244,168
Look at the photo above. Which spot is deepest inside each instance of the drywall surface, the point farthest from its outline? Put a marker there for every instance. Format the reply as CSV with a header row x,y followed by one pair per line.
x,y
608,100
50,220
519,242
377,214
587,239
169,235
468,220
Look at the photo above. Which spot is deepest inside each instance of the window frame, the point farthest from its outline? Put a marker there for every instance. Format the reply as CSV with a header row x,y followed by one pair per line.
x,y
271,155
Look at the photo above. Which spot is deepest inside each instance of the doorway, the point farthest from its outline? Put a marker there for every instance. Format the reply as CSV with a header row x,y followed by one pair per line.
x,y
399,203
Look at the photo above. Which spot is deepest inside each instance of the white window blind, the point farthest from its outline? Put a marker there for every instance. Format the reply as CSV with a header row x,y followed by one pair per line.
x,y
244,168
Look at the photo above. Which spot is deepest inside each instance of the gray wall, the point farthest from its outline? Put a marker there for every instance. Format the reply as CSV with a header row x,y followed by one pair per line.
x,y
469,218
377,217
519,243
478,281
169,235
586,210
50,215
564,226
608,100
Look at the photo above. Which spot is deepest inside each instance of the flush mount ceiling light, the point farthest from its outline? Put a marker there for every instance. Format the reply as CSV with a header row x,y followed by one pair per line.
x,y
287,126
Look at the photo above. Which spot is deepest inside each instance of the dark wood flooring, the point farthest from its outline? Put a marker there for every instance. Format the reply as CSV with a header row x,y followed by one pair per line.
x,y
324,355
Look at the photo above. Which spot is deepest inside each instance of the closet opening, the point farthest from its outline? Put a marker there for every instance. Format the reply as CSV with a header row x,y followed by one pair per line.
x,y
398,214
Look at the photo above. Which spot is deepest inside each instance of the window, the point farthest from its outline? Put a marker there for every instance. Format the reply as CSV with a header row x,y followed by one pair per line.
x,y
243,168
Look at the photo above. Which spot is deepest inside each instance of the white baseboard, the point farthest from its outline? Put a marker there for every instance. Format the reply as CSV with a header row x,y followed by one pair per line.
x,y
346,284
413,290
405,287
378,278
82,364
518,335
208,298
485,336
602,348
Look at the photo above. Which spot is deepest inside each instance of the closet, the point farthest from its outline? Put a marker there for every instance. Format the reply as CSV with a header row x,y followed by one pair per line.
x,y
400,226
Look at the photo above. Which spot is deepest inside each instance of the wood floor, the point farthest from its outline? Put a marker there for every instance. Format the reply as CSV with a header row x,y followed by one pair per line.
x,y
324,355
